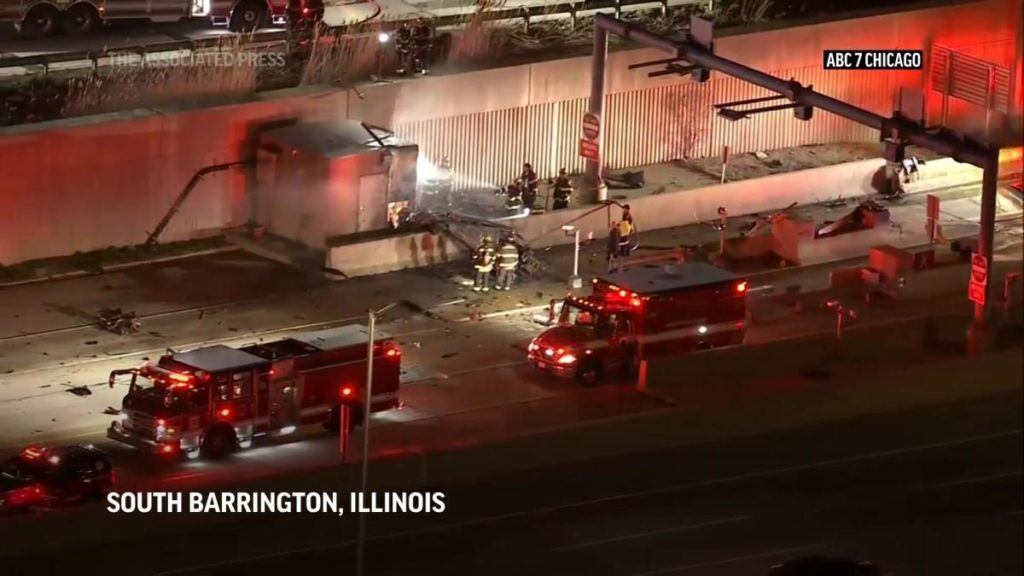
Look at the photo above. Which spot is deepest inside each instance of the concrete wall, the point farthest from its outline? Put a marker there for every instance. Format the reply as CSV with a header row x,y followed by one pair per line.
x,y
393,253
90,183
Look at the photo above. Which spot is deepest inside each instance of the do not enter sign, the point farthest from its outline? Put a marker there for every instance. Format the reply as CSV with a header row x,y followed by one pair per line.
x,y
979,269
979,279
591,126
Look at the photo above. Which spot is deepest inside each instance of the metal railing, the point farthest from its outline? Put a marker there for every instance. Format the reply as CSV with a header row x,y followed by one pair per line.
x,y
283,37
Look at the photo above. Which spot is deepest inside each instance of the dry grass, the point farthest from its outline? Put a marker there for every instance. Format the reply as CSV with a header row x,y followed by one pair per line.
x,y
337,59
742,11
127,85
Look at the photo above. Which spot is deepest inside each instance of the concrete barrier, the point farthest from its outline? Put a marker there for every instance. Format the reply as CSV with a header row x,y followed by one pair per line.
x,y
391,253
701,204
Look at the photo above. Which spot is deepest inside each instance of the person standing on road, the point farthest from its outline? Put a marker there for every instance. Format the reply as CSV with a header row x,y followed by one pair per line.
x,y
423,44
508,261
403,48
613,246
483,264
530,184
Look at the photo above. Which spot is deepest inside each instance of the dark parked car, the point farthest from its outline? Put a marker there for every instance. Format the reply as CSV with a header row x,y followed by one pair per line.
x,y
824,566
47,476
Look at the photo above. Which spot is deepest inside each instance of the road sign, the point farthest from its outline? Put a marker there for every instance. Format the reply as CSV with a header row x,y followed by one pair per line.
x,y
933,216
589,149
591,126
979,279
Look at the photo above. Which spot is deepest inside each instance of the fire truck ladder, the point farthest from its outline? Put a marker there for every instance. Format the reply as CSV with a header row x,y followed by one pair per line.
x,y
151,240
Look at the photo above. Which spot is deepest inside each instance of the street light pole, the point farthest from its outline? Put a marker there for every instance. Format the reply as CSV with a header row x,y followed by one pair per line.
x,y
361,539
574,281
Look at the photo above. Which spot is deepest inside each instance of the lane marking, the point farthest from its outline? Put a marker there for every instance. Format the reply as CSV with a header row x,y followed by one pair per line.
x,y
979,479
640,535
733,560
582,504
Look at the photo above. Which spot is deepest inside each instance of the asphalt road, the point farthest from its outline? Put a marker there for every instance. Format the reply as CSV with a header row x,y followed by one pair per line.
x,y
933,491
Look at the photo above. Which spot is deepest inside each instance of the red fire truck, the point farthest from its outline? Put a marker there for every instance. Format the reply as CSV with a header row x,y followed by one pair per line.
x,y
641,313
212,400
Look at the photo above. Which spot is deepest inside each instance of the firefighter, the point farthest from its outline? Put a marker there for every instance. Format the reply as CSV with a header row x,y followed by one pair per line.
x,y
483,264
627,215
531,182
508,261
423,42
403,47
562,190
625,236
613,246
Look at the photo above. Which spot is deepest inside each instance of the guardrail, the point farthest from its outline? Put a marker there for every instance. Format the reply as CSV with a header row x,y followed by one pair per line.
x,y
278,37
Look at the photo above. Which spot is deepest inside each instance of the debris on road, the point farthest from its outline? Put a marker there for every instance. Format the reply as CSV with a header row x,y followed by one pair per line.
x,y
111,411
91,342
46,385
449,355
80,391
118,321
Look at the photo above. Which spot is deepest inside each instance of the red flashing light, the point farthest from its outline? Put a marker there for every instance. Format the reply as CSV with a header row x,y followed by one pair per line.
x,y
623,293
741,287
161,422
347,391
635,302
271,373
225,412
305,11
33,452
180,377
167,449
393,352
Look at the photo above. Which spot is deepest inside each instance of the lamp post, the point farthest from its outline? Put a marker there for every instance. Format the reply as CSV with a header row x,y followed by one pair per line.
x,y
372,316
575,282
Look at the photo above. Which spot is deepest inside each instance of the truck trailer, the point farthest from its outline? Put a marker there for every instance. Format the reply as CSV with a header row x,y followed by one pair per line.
x,y
642,313
212,400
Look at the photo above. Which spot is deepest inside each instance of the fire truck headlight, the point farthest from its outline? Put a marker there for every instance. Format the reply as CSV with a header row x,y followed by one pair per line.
x,y
702,330
567,359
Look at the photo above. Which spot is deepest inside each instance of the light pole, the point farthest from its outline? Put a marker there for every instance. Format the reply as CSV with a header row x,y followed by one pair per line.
x,y
575,281
371,343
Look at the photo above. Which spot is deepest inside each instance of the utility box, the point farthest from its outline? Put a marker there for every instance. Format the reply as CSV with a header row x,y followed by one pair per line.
x,y
324,180
890,262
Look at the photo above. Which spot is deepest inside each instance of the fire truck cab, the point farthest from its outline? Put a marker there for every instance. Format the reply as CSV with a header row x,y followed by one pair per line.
x,y
642,313
215,399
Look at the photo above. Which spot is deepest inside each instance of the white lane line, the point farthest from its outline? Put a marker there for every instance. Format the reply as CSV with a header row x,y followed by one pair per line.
x,y
979,479
733,560
640,535
204,568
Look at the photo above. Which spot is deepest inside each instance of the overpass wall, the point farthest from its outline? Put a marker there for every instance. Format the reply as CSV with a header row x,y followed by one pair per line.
x,y
89,183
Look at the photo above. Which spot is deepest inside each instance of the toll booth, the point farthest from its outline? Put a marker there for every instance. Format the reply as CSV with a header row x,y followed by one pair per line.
x,y
323,180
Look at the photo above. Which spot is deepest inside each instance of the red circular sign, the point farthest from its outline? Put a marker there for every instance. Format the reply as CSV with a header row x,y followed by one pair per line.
x,y
591,126
979,268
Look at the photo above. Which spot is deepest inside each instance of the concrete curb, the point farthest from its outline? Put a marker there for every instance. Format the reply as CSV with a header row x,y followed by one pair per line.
x,y
122,266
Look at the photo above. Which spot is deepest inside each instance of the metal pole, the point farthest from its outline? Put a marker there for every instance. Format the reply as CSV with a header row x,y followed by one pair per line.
x,y
344,420
576,255
361,539
597,77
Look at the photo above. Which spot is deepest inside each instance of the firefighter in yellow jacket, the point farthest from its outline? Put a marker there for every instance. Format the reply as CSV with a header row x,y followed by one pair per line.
x,y
508,261
483,264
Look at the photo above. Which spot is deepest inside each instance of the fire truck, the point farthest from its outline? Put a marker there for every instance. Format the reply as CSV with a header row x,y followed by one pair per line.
x,y
642,313
212,400
42,18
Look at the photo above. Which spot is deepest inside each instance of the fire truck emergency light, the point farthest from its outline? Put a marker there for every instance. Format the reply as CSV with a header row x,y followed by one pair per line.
x,y
346,391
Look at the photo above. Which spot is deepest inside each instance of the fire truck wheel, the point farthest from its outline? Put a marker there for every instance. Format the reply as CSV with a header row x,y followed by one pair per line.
x,y
248,16
40,22
81,19
590,374
219,442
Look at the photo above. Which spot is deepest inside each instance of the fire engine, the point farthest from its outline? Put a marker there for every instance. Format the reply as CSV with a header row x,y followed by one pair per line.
x,y
642,313
211,400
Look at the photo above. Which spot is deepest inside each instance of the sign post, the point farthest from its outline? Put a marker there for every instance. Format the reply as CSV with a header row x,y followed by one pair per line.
x,y
590,143
725,161
977,289
933,217
344,434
